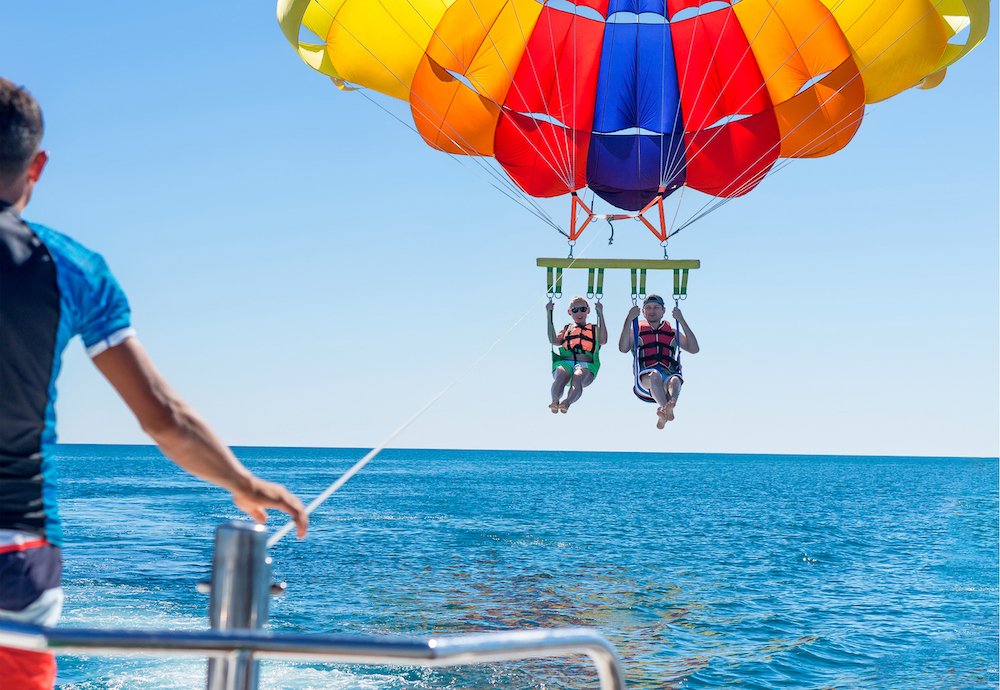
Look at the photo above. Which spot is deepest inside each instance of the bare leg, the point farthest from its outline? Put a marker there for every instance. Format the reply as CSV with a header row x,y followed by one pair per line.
x,y
560,377
654,383
673,390
581,377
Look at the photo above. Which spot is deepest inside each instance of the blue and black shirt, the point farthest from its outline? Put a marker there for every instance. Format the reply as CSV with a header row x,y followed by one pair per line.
x,y
51,289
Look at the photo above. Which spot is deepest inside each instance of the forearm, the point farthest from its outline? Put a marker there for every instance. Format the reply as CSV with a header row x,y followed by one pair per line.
x,y
184,437
689,343
625,340
602,328
552,331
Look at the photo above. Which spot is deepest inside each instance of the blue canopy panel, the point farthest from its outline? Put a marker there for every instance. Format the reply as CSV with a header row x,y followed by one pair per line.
x,y
637,144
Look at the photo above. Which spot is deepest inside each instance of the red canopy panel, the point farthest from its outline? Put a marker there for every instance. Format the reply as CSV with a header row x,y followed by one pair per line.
x,y
718,74
600,5
557,76
719,83
543,135
544,160
675,6
731,160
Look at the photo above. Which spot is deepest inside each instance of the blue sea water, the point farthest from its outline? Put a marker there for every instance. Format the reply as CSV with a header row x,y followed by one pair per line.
x,y
703,570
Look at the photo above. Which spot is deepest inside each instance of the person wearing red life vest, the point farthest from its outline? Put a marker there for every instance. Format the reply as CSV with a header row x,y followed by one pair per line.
x,y
653,343
578,359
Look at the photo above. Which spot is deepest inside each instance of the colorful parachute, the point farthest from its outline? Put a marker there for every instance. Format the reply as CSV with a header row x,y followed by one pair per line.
x,y
635,98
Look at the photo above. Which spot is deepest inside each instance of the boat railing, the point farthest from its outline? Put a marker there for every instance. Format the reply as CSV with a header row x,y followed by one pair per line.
x,y
240,590
253,645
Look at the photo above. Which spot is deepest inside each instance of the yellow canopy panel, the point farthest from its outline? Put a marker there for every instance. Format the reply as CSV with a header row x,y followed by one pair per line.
x,y
467,71
896,43
375,44
796,42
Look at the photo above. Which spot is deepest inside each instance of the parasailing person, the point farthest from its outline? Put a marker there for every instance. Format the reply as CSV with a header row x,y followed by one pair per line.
x,y
655,346
578,357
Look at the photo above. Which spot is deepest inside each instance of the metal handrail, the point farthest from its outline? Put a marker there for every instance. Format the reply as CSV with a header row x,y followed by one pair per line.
x,y
449,650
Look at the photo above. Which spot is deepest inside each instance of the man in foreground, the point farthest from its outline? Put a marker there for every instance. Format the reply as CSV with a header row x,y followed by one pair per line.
x,y
51,289
654,343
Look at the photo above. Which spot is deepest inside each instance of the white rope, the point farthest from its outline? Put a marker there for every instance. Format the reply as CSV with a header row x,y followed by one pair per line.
x,y
380,447
359,465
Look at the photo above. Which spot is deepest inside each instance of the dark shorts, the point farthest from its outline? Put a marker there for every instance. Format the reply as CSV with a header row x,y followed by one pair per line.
x,y
25,573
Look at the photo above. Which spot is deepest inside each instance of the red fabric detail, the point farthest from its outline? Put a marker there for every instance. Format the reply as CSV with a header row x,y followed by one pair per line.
x,y
719,78
731,160
33,544
675,6
557,75
555,80
24,670
539,156
599,5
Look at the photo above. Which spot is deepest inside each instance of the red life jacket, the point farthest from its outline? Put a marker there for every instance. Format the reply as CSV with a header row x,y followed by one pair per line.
x,y
581,339
656,345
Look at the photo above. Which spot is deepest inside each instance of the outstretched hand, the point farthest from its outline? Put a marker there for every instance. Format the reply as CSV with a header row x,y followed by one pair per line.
x,y
599,308
633,312
676,313
262,494
550,306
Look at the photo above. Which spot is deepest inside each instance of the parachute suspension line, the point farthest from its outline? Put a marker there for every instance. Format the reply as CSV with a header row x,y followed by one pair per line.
x,y
357,467
330,490
820,106
532,207
718,203
637,106
562,173
611,240
502,178
760,88
464,143
568,157
715,203
604,106
722,90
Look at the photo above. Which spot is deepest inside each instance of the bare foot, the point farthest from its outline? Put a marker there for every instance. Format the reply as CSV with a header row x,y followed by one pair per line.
x,y
564,408
554,407
661,418
668,410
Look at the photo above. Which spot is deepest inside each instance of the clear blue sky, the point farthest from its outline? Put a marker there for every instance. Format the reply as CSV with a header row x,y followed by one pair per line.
x,y
307,272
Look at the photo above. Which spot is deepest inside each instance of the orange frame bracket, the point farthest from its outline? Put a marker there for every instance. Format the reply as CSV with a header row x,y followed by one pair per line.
x,y
657,201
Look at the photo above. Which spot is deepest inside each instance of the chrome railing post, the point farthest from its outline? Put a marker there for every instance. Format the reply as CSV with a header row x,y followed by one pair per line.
x,y
241,583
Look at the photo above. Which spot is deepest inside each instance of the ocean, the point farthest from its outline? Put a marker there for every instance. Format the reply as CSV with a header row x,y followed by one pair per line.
x,y
704,571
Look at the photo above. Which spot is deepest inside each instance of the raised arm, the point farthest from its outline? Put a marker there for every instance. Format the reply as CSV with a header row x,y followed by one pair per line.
x,y
551,329
625,341
603,339
186,438
686,337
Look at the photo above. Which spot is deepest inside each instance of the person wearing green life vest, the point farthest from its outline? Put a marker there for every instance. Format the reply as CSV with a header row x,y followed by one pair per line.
x,y
578,359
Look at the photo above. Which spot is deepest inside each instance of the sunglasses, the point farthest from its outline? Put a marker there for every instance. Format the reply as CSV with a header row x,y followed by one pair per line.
x,y
579,309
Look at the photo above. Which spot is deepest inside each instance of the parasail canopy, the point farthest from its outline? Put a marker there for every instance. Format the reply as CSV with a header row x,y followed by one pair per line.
x,y
635,98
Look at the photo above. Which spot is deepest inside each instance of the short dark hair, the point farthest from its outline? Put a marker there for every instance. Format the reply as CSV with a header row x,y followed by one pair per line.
x,y
21,129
